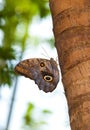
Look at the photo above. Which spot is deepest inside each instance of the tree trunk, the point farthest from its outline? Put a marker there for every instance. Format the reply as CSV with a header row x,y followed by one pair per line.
x,y
71,26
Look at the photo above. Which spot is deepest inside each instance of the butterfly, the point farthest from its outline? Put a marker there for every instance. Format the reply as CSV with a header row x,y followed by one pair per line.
x,y
44,72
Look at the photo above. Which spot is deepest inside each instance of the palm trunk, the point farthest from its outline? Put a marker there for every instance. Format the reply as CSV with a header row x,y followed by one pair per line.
x,y
71,26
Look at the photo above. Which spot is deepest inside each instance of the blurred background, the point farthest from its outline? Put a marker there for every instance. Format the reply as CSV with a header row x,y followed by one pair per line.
x,y
26,32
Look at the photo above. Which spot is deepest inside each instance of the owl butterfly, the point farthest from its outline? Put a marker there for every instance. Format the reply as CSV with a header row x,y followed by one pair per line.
x,y
44,72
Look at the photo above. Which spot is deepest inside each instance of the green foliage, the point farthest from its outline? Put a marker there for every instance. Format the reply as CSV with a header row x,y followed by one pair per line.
x,y
6,66
45,111
7,56
51,41
15,18
28,118
34,118
42,7
6,73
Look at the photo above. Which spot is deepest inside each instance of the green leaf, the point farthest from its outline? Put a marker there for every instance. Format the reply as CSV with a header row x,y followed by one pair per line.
x,y
7,53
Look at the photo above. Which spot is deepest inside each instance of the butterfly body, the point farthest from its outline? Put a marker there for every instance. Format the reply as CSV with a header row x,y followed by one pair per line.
x,y
44,72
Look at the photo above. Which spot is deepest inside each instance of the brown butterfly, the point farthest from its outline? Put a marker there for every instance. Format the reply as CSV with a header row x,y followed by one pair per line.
x,y
44,72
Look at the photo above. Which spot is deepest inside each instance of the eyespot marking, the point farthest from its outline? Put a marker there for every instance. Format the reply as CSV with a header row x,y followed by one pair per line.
x,y
48,78
42,64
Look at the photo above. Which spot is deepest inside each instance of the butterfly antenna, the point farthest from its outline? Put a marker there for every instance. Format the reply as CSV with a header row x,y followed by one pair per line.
x,y
45,53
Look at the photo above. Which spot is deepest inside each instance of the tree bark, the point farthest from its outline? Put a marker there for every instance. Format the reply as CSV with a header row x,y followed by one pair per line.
x,y
71,26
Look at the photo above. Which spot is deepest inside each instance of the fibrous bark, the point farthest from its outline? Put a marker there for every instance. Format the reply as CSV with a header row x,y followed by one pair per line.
x,y
71,27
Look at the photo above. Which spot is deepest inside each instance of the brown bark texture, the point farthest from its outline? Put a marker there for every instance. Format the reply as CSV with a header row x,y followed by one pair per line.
x,y
71,27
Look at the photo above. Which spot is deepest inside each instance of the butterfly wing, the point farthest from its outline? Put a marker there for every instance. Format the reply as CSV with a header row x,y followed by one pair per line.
x,y
42,71
25,68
